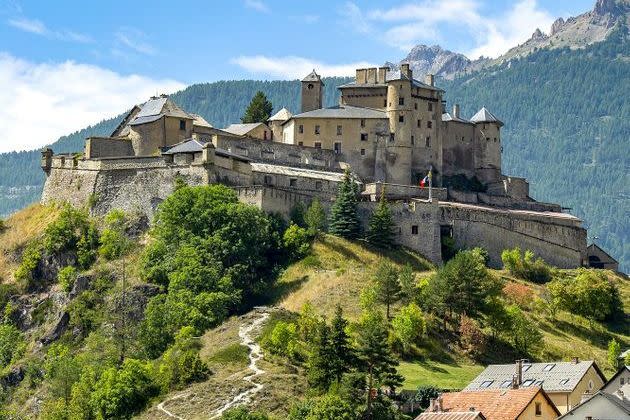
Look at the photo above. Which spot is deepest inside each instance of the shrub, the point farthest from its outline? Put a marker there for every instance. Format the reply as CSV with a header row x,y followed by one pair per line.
x,y
3,225
425,394
590,294
519,294
12,344
66,278
181,364
242,413
114,242
523,333
472,339
526,266
409,326
296,215
283,339
614,351
315,217
66,231
30,260
297,241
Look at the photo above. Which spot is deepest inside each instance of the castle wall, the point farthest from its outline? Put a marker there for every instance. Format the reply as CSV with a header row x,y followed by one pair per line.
x,y
487,152
457,144
98,147
148,138
306,184
559,239
369,97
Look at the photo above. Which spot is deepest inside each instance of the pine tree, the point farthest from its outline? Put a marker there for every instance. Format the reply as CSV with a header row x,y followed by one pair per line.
x,y
341,348
387,285
344,219
315,217
381,227
258,110
320,374
408,285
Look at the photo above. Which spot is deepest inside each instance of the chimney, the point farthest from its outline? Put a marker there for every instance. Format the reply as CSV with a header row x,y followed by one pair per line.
x,y
404,70
382,74
429,79
361,76
575,360
455,110
519,372
371,75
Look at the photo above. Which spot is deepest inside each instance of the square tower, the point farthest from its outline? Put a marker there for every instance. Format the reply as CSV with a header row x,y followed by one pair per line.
x,y
312,92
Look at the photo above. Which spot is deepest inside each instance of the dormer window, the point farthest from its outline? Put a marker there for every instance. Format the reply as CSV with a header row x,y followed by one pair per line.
x,y
182,125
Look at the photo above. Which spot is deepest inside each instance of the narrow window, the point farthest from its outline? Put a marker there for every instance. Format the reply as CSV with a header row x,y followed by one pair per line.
x,y
317,145
318,185
538,409
293,182
363,154
384,103
495,139
338,130
300,129
182,125
391,137
268,180
401,118
362,123
419,123
337,147
401,101
265,135
364,136
414,229
415,105
317,129
412,140
429,124
622,380
428,141
430,107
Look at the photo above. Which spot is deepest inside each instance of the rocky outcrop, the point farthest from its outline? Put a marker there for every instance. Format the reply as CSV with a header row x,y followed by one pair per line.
x,y
425,59
60,327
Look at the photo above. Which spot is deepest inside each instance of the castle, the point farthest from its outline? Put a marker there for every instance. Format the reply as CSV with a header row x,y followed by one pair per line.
x,y
389,129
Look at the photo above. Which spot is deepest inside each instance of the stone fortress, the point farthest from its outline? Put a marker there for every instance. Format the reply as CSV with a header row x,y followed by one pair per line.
x,y
389,130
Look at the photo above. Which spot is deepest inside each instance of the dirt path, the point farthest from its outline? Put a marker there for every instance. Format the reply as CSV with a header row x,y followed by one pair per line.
x,y
255,354
160,407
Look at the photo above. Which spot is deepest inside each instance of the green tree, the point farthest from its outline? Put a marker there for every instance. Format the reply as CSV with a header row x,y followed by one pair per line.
x,y
409,326
408,284
524,334
61,372
320,364
114,242
341,348
614,351
181,364
344,218
387,285
242,413
381,225
258,110
66,278
315,217
297,241
12,344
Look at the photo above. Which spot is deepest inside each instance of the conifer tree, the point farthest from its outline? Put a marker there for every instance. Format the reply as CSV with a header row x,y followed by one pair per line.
x,y
381,227
315,217
258,110
340,345
320,374
344,219
387,285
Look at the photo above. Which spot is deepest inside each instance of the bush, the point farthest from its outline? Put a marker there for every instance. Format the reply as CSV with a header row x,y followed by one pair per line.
x,y
614,351
526,266
181,364
3,225
114,242
408,326
12,344
472,339
590,294
297,241
64,233
66,278
523,333
283,340
425,394
30,260
242,413
315,217
517,293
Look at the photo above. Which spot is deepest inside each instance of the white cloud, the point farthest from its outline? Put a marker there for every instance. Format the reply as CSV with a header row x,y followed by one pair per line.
x,y
355,18
40,102
408,24
136,40
292,67
37,27
257,5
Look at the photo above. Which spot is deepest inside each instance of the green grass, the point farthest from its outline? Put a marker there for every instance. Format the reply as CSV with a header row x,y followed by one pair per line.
x,y
234,353
440,375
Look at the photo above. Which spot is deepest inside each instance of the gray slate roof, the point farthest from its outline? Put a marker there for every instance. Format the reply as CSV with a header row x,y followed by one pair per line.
x,y
483,115
186,146
282,115
313,77
344,112
157,107
562,376
240,129
448,117
298,172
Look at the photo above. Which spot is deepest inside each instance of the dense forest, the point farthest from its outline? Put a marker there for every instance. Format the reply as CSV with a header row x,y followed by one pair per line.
x,y
566,118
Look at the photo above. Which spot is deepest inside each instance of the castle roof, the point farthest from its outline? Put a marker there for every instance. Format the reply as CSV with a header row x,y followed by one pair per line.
x,y
313,77
196,146
241,129
448,117
156,108
553,376
344,111
485,116
200,121
281,115
292,171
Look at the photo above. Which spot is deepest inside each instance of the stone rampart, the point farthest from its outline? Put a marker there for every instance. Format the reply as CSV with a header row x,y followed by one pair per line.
x,y
98,147
398,191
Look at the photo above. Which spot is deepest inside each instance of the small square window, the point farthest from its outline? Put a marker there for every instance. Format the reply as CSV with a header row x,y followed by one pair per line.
x,y
362,152
401,101
401,118
362,123
182,125
317,145
268,180
538,409
300,129
317,129
414,229
487,138
429,124
430,106
293,182
391,137
495,139
364,136
338,130
318,185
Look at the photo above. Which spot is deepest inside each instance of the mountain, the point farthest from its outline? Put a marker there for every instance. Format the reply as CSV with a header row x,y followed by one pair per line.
x,y
434,60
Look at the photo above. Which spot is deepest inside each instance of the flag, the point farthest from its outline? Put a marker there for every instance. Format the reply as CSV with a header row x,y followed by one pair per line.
x,y
426,180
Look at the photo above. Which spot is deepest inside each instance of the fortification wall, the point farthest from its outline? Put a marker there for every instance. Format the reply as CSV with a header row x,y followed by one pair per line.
x,y
558,239
98,147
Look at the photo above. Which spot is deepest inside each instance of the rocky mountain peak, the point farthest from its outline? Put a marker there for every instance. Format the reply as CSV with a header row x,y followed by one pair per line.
x,y
424,59
557,26
538,35
611,7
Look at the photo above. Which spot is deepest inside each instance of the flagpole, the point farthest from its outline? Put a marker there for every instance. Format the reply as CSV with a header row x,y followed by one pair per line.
x,y
430,184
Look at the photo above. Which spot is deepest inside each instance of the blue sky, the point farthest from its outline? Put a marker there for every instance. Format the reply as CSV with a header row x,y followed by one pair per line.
x,y
75,64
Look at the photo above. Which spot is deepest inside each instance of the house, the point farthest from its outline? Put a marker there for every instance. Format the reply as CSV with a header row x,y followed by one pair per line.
x,y
496,404
452,415
564,382
255,130
276,121
618,381
598,258
601,406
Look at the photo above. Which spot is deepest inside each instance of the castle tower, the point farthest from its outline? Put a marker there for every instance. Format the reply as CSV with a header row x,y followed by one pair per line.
x,y
487,144
400,113
312,92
